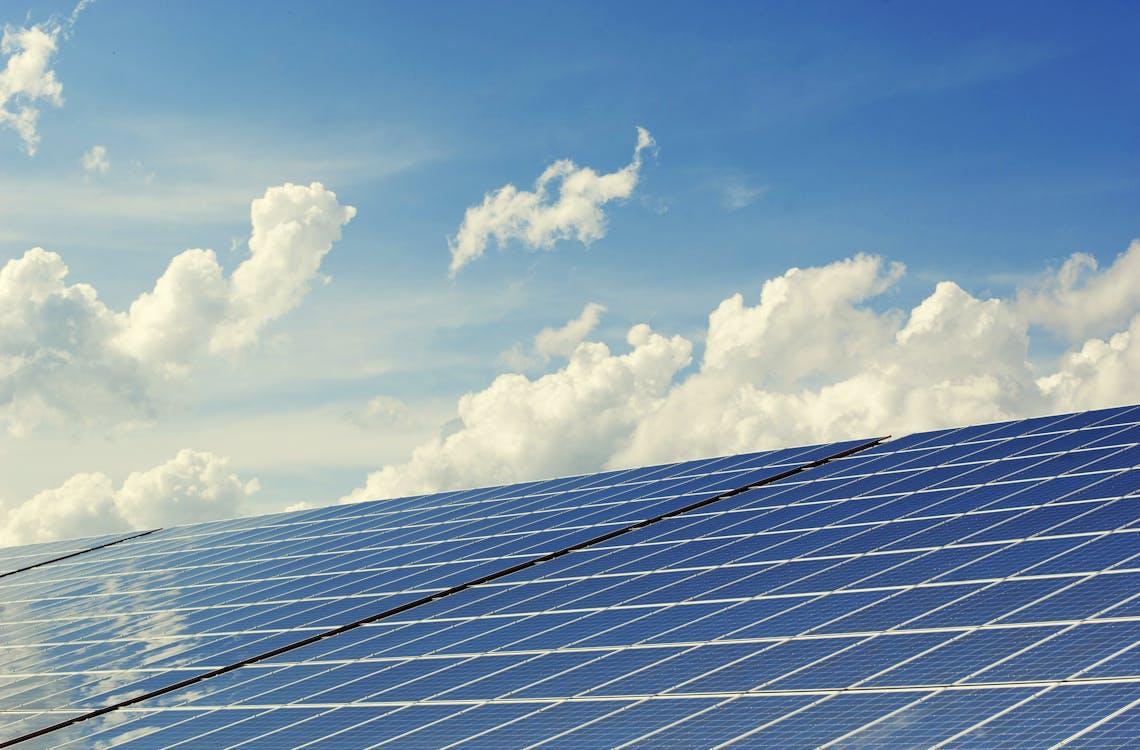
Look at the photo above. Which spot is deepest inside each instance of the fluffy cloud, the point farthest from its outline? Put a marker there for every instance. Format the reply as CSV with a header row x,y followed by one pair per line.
x,y
816,358
769,337
1099,372
65,355
95,160
560,342
193,486
538,220
27,79
1076,301
555,342
569,420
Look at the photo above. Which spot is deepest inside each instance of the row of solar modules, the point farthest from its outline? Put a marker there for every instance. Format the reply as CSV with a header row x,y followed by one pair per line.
x,y
968,588
127,619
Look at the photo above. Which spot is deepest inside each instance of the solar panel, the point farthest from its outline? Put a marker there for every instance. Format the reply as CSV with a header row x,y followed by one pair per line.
x,y
131,618
965,588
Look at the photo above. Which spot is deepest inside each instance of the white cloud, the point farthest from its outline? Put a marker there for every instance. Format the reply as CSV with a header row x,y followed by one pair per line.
x,y
27,79
815,359
65,355
769,339
1099,372
95,160
56,352
294,227
572,419
555,342
538,221
560,342
1077,301
193,486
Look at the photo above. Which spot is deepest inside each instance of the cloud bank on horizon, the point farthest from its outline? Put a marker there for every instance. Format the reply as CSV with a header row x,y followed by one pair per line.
x,y
813,358
810,361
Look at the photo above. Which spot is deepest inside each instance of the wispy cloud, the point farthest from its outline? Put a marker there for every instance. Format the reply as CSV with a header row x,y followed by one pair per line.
x,y
95,160
737,193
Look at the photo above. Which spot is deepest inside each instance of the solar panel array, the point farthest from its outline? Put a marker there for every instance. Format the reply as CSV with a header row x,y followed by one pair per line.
x,y
969,588
125,620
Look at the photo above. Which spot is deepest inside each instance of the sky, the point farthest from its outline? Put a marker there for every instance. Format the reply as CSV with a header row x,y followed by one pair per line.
x,y
279,254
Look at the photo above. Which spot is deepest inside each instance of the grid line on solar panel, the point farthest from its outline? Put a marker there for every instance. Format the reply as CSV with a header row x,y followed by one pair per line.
x,y
540,706
301,714
1072,679
697,498
1092,728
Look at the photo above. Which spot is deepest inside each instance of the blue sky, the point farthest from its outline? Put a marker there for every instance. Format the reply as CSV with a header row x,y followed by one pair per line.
x,y
975,142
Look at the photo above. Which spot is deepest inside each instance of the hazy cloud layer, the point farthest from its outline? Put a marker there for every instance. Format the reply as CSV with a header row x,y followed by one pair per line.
x,y
813,359
65,356
537,219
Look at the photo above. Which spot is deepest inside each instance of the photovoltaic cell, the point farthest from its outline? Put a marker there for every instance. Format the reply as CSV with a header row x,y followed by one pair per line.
x,y
971,588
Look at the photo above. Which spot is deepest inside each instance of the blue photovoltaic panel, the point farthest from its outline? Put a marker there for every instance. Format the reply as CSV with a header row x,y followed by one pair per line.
x,y
119,622
16,559
974,588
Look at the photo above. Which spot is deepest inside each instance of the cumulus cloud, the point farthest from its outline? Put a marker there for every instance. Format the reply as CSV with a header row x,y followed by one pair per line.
x,y
1077,301
769,337
64,354
560,342
816,357
95,160
555,342
569,420
27,80
538,220
1098,373
193,486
